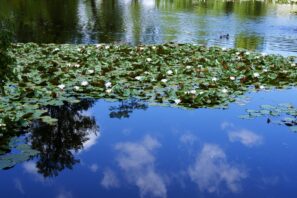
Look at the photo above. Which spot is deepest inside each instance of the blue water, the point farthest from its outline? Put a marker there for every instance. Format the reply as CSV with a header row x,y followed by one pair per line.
x,y
172,152
157,151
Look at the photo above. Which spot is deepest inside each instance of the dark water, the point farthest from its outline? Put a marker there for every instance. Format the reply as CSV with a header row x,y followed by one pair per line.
x,y
130,149
254,25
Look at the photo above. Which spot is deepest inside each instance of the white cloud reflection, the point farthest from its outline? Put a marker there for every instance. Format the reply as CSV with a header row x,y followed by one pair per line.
x,y
245,137
19,186
92,138
109,179
65,194
212,172
138,162
188,138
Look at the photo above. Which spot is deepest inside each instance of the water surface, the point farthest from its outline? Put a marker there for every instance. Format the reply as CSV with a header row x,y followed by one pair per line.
x,y
254,25
130,149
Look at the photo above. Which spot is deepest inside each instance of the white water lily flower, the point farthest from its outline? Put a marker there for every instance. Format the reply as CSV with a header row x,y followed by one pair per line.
x,y
153,47
177,101
188,67
232,78
293,64
247,53
108,90
2,125
164,80
201,92
262,87
193,91
169,72
68,64
107,47
84,83
108,84
76,65
263,54
141,48
138,77
56,49
79,49
148,59
265,70
237,53
91,71
98,45
224,90
214,79
256,75
76,88
62,86
224,49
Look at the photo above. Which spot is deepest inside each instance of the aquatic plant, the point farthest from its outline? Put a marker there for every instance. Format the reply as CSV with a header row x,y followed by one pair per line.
x,y
181,75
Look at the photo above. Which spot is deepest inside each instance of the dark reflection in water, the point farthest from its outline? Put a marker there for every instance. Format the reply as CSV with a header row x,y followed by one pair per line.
x,y
160,152
271,26
126,108
58,143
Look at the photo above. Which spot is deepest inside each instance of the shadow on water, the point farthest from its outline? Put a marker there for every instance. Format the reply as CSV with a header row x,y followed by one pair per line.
x,y
126,108
56,144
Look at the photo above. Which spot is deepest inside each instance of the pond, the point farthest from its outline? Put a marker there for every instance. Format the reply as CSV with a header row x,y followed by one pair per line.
x,y
135,148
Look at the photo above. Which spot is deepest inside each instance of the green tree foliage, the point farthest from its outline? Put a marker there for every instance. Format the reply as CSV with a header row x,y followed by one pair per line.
x,y
6,60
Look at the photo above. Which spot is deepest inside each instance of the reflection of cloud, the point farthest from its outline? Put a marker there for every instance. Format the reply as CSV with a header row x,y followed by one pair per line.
x,y
188,138
137,160
92,139
65,194
245,137
270,181
30,167
212,171
109,179
148,3
226,125
94,168
19,186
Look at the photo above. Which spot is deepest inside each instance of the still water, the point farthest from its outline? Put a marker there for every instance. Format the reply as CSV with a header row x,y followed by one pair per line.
x,y
129,149
254,25
132,150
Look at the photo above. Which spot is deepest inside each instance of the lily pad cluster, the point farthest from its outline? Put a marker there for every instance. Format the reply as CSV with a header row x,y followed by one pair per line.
x,y
286,114
22,152
183,75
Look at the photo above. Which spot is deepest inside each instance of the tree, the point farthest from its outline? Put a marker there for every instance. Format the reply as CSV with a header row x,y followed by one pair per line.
x,y
6,60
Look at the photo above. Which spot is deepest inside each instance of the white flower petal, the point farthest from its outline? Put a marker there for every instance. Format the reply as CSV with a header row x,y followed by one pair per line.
x,y
108,84
256,75
62,86
84,83
169,72
177,101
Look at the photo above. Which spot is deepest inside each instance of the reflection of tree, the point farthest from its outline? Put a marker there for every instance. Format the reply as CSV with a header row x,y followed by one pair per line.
x,y
108,20
250,42
43,21
56,143
126,108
